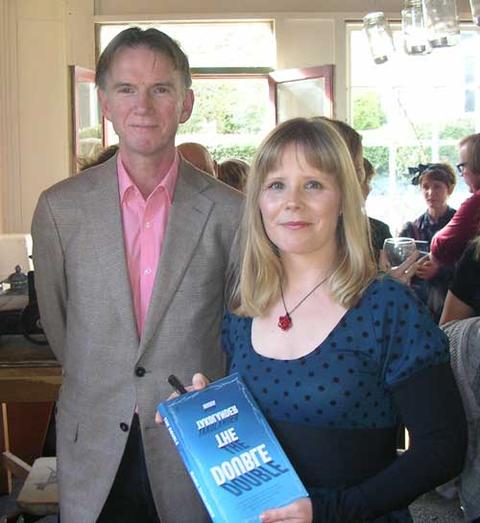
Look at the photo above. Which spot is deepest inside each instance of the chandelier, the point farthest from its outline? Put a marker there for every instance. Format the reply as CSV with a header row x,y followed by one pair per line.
x,y
426,25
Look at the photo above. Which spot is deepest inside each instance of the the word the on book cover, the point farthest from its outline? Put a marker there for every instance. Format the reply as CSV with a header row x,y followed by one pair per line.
x,y
230,451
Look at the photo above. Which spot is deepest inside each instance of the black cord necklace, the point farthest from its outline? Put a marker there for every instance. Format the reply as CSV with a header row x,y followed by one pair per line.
x,y
285,322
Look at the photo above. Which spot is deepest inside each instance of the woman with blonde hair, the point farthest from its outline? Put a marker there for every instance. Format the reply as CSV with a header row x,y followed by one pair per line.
x,y
335,356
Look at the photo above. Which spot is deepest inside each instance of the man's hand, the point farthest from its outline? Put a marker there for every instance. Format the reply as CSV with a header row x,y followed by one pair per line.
x,y
299,511
199,382
427,268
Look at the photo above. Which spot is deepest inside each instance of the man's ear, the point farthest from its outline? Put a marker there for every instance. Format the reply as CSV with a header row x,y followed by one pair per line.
x,y
187,106
103,98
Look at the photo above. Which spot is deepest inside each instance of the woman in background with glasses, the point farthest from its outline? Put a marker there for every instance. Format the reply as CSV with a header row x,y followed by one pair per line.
x,y
450,242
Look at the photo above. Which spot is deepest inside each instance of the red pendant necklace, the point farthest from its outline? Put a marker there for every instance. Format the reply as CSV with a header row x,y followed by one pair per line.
x,y
285,322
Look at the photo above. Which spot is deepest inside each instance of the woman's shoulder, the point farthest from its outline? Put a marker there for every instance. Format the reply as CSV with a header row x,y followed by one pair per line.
x,y
387,297
384,285
234,321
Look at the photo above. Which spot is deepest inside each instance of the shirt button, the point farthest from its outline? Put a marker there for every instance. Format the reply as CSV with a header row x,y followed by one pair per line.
x,y
147,271
140,372
148,225
124,427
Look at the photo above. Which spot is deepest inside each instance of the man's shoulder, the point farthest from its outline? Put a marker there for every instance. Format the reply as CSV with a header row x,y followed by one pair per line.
x,y
471,202
82,182
212,188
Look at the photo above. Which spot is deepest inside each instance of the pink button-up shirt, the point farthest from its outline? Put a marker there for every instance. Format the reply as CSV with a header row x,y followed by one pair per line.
x,y
144,224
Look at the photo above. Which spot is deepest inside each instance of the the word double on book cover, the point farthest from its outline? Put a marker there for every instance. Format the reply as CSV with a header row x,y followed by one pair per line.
x,y
230,451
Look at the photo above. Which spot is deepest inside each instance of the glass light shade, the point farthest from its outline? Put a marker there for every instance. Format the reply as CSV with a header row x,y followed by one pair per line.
x,y
415,39
379,37
475,6
441,22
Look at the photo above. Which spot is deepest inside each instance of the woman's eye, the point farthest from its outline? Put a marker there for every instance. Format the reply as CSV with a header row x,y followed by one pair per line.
x,y
313,184
275,185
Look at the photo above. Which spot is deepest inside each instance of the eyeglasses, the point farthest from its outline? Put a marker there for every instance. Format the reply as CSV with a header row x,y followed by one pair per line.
x,y
460,167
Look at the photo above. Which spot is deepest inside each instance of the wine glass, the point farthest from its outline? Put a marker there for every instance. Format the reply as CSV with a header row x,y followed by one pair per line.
x,y
398,249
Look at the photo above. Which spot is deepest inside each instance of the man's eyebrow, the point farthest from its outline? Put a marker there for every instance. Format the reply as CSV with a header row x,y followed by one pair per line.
x,y
163,84
156,84
121,84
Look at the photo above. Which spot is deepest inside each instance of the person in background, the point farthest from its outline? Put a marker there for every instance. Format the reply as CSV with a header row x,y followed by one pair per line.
x,y
436,181
463,297
335,355
199,156
449,243
464,338
104,155
379,230
234,173
131,262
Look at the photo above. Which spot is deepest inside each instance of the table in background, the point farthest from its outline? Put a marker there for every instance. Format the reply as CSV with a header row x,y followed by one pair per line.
x,y
30,377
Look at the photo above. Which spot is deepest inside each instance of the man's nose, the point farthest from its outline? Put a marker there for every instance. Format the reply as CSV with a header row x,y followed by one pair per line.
x,y
144,101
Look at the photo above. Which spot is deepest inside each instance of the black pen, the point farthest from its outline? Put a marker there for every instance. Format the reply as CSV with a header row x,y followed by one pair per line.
x,y
176,384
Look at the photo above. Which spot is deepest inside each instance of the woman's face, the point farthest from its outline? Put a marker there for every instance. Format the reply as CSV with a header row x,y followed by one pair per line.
x,y
435,193
300,206
471,178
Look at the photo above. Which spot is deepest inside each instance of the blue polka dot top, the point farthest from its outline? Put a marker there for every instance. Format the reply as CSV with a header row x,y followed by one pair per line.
x,y
345,381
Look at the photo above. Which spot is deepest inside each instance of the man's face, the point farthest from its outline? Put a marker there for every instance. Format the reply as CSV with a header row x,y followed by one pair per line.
x,y
145,100
471,178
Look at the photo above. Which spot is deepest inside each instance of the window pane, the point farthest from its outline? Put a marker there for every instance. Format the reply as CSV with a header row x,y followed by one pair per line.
x,y
218,44
230,116
413,109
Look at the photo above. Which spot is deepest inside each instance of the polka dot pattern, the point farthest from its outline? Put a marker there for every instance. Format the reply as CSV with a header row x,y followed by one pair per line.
x,y
346,381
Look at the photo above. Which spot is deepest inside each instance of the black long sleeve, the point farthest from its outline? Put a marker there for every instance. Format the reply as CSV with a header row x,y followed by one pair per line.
x,y
430,407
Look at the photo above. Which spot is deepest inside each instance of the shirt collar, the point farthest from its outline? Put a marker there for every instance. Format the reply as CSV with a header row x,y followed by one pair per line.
x,y
168,182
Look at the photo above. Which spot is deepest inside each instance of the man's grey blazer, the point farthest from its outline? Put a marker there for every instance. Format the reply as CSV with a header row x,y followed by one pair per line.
x,y
86,309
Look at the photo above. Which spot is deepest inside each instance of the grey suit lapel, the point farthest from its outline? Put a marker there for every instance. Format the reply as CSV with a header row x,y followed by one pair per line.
x,y
188,215
103,217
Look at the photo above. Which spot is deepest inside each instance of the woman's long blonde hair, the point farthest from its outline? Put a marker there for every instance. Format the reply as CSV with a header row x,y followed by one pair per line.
x,y
261,270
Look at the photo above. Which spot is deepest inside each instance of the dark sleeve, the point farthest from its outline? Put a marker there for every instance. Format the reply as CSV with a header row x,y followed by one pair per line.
x,y
407,230
466,281
450,242
416,373
431,409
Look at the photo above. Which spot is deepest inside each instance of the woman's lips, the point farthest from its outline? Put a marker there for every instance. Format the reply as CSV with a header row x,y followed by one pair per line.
x,y
295,225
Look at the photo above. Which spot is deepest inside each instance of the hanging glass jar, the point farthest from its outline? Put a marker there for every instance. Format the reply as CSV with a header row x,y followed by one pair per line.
x,y
441,22
379,36
475,6
415,39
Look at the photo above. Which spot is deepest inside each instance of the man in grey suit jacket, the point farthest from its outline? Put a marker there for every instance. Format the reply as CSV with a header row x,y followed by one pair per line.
x,y
117,336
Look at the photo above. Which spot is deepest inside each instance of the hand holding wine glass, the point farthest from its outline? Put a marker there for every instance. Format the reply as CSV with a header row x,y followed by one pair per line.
x,y
398,250
398,258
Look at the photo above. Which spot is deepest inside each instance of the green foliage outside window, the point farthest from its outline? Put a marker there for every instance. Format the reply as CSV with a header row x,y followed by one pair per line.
x,y
228,152
368,112
225,108
378,157
91,132
458,129
411,156
449,154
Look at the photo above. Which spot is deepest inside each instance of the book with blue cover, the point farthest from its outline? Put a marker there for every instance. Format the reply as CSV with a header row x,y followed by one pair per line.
x,y
230,451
